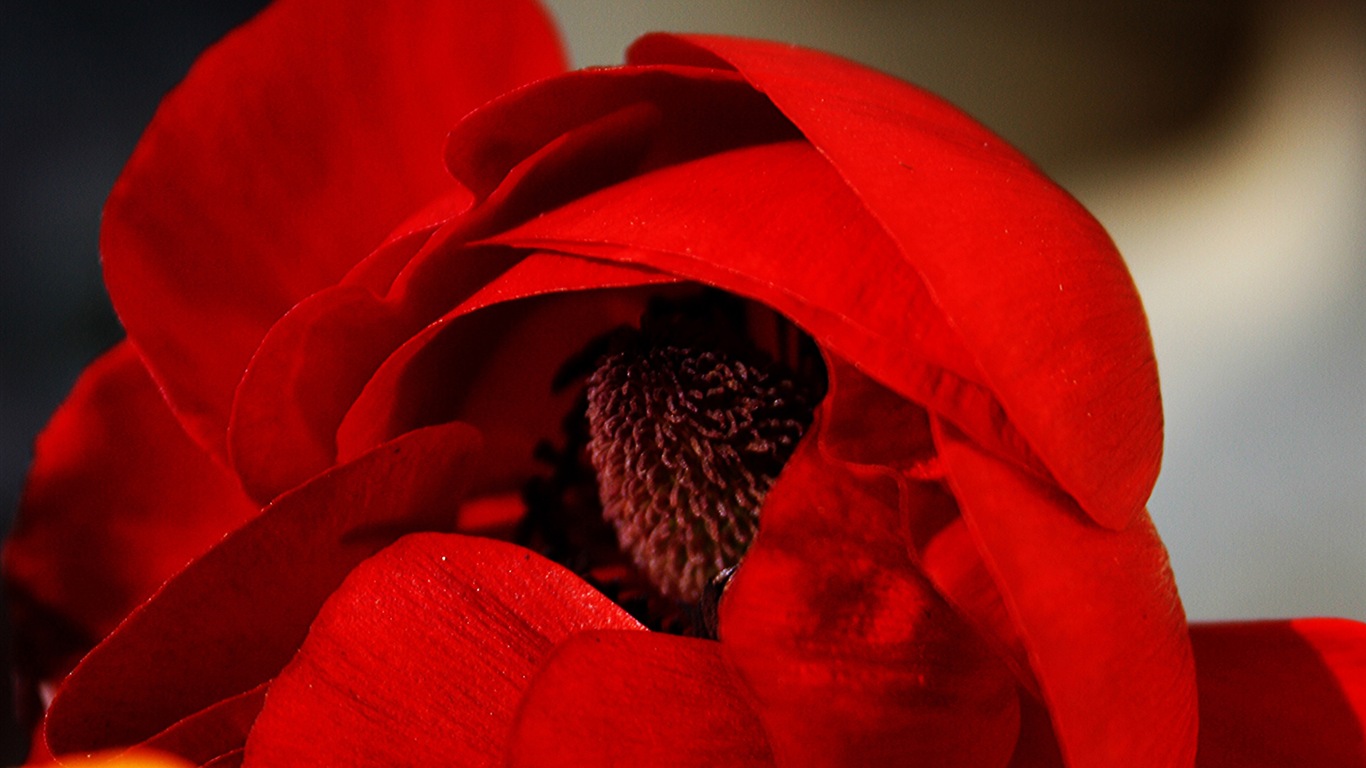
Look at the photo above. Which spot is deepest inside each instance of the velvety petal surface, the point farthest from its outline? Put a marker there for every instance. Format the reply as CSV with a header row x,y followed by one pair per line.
x,y
1030,281
1282,693
633,698
118,500
288,153
422,654
1097,611
234,617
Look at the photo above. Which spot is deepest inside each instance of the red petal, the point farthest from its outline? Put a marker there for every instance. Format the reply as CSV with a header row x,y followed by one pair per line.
x,y
491,361
726,220
852,655
234,617
422,654
1028,278
1281,693
212,732
316,359
117,501
290,150
1097,610
633,698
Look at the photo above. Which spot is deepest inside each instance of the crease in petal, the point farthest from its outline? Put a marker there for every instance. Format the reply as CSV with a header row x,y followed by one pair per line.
x,y
422,654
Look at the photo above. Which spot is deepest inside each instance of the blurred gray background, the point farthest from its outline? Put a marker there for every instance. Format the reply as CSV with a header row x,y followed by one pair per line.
x,y
1223,144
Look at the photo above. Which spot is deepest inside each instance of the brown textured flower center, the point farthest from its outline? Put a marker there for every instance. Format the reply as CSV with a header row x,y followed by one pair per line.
x,y
686,441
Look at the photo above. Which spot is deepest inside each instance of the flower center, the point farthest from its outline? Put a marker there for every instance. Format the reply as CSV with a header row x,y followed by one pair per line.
x,y
682,426
686,442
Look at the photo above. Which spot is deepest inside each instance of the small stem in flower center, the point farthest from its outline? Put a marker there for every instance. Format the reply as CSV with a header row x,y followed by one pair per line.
x,y
686,441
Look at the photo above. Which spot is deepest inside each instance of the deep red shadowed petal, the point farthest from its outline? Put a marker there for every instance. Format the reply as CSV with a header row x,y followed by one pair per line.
x,y
492,359
632,698
233,618
117,501
1282,693
214,731
288,153
1030,281
852,655
422,655
1097,610
873,431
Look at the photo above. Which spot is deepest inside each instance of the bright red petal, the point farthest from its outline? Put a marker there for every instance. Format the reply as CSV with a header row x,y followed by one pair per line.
x,y
633,698
1282,693
118,500
235,616
290,151
422,655
1097,611
852,655
1028,278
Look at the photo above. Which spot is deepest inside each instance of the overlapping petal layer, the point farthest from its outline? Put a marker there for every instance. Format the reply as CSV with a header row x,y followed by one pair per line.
x,y
118,500
235,616
422,655
290,151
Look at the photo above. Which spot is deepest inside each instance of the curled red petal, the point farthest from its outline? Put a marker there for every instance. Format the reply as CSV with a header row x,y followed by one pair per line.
x,y
315,361
118,500
1280,693
853,657
289,151
1030,281
422,654
636,698
1096,609
724,220
234,616
509,340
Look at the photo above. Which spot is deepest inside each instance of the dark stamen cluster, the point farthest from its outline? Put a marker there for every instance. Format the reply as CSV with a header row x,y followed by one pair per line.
x,y
686,442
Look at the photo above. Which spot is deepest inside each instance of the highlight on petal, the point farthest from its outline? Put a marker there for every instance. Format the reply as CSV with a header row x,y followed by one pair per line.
x,y
1279,693
636,698
422,654
1033,284
118,500
235,616
1096,610
288,153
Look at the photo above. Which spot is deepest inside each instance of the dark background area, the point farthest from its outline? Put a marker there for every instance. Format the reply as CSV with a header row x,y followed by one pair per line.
x,y
79,80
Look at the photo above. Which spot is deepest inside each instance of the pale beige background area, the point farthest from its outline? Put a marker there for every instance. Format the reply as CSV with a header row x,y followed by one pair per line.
x,y
1224,147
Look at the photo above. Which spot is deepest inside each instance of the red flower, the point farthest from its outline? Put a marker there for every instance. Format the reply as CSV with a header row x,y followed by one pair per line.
x,y
953,568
